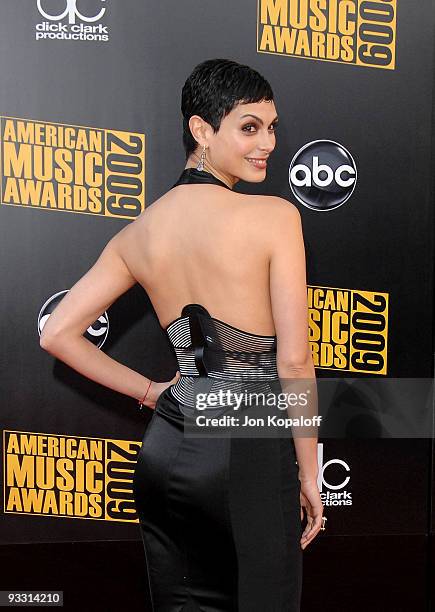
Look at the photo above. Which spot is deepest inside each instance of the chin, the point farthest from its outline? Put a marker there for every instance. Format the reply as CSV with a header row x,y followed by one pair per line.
x,y
252,175
257,177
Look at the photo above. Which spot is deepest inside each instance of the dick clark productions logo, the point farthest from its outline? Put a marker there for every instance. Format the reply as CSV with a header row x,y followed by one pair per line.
x,y
72,11
322,175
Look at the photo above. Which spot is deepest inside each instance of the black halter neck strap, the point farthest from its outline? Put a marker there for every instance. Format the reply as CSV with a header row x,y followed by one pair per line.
x,y
193,175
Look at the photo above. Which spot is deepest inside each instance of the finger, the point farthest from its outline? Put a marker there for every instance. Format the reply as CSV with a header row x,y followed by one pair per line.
x,y
312,530
307,530
302,514
315,522
308,524
306,542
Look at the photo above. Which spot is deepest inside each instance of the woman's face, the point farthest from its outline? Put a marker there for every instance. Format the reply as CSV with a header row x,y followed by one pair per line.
x,y
244,141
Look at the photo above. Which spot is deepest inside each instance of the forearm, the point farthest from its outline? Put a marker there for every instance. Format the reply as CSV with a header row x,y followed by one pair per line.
x,y
84,357
301,383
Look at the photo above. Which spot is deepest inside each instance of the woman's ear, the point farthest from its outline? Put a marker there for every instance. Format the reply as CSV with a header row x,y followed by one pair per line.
x,y
198,129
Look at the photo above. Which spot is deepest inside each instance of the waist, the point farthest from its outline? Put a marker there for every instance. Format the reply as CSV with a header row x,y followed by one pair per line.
x,y
222,392
226,364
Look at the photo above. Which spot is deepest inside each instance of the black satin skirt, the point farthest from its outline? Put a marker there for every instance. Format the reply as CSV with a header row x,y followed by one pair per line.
x,y
219,519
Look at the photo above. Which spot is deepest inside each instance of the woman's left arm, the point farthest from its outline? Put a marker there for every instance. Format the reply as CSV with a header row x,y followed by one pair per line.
x,y
62,335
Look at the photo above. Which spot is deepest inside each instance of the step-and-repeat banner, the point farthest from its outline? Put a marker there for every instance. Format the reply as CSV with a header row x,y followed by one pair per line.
x,y
91,134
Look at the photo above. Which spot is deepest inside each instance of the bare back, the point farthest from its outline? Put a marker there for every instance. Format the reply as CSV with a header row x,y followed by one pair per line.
x,y
207,245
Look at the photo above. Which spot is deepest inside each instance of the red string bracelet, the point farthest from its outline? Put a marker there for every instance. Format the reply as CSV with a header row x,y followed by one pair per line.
x,y
141,402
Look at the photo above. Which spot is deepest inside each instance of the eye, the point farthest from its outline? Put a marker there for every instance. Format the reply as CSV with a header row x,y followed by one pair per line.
x,y
249,125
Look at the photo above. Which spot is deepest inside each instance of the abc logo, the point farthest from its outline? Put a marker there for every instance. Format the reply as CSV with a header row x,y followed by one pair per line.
x,y
322,175
96,333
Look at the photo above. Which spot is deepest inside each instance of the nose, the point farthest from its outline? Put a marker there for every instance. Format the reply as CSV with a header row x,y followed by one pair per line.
x,y
267,143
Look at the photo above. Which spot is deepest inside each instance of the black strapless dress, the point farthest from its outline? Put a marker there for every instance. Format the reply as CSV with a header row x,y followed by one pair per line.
x,y
219,516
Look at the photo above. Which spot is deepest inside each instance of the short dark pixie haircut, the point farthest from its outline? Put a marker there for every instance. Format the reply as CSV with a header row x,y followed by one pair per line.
x,y
213,90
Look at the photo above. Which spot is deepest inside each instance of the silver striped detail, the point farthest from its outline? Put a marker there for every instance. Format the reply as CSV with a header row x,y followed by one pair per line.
x,y
234,358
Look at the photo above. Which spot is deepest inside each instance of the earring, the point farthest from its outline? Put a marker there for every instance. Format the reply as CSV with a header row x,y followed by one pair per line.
x,y
200,165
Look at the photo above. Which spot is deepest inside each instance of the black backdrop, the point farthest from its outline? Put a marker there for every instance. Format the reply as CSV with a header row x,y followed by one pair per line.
x,y
119,89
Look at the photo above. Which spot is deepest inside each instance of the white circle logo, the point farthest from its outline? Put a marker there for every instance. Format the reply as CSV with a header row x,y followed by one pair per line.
x,y
97,332
72,11
322,175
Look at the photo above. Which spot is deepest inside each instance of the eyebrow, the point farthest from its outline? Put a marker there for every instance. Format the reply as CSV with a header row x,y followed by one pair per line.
x,y
258,118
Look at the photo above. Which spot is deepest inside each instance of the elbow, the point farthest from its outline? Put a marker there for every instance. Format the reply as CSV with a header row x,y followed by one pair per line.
x,y
297,364
45,342
48,342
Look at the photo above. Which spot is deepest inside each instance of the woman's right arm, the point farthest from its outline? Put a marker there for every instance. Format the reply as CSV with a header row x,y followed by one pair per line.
x,y
288,291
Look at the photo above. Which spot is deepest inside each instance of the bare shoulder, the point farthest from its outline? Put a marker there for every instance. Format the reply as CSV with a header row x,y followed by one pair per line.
x,y
128,241
137,226
275,212
279,208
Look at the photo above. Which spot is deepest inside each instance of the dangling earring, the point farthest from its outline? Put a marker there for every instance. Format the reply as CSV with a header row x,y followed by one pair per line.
x,y
200,165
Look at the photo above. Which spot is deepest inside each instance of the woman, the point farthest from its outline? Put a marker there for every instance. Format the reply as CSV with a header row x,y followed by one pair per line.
x,y
220,516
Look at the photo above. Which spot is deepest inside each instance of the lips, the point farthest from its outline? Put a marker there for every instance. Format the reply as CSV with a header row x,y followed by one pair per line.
x,y
258,162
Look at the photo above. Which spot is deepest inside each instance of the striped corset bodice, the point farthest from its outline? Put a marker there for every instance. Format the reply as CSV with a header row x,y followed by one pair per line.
x,y
211,350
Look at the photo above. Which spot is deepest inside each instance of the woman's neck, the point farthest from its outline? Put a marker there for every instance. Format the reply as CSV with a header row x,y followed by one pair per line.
x,y
192,162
